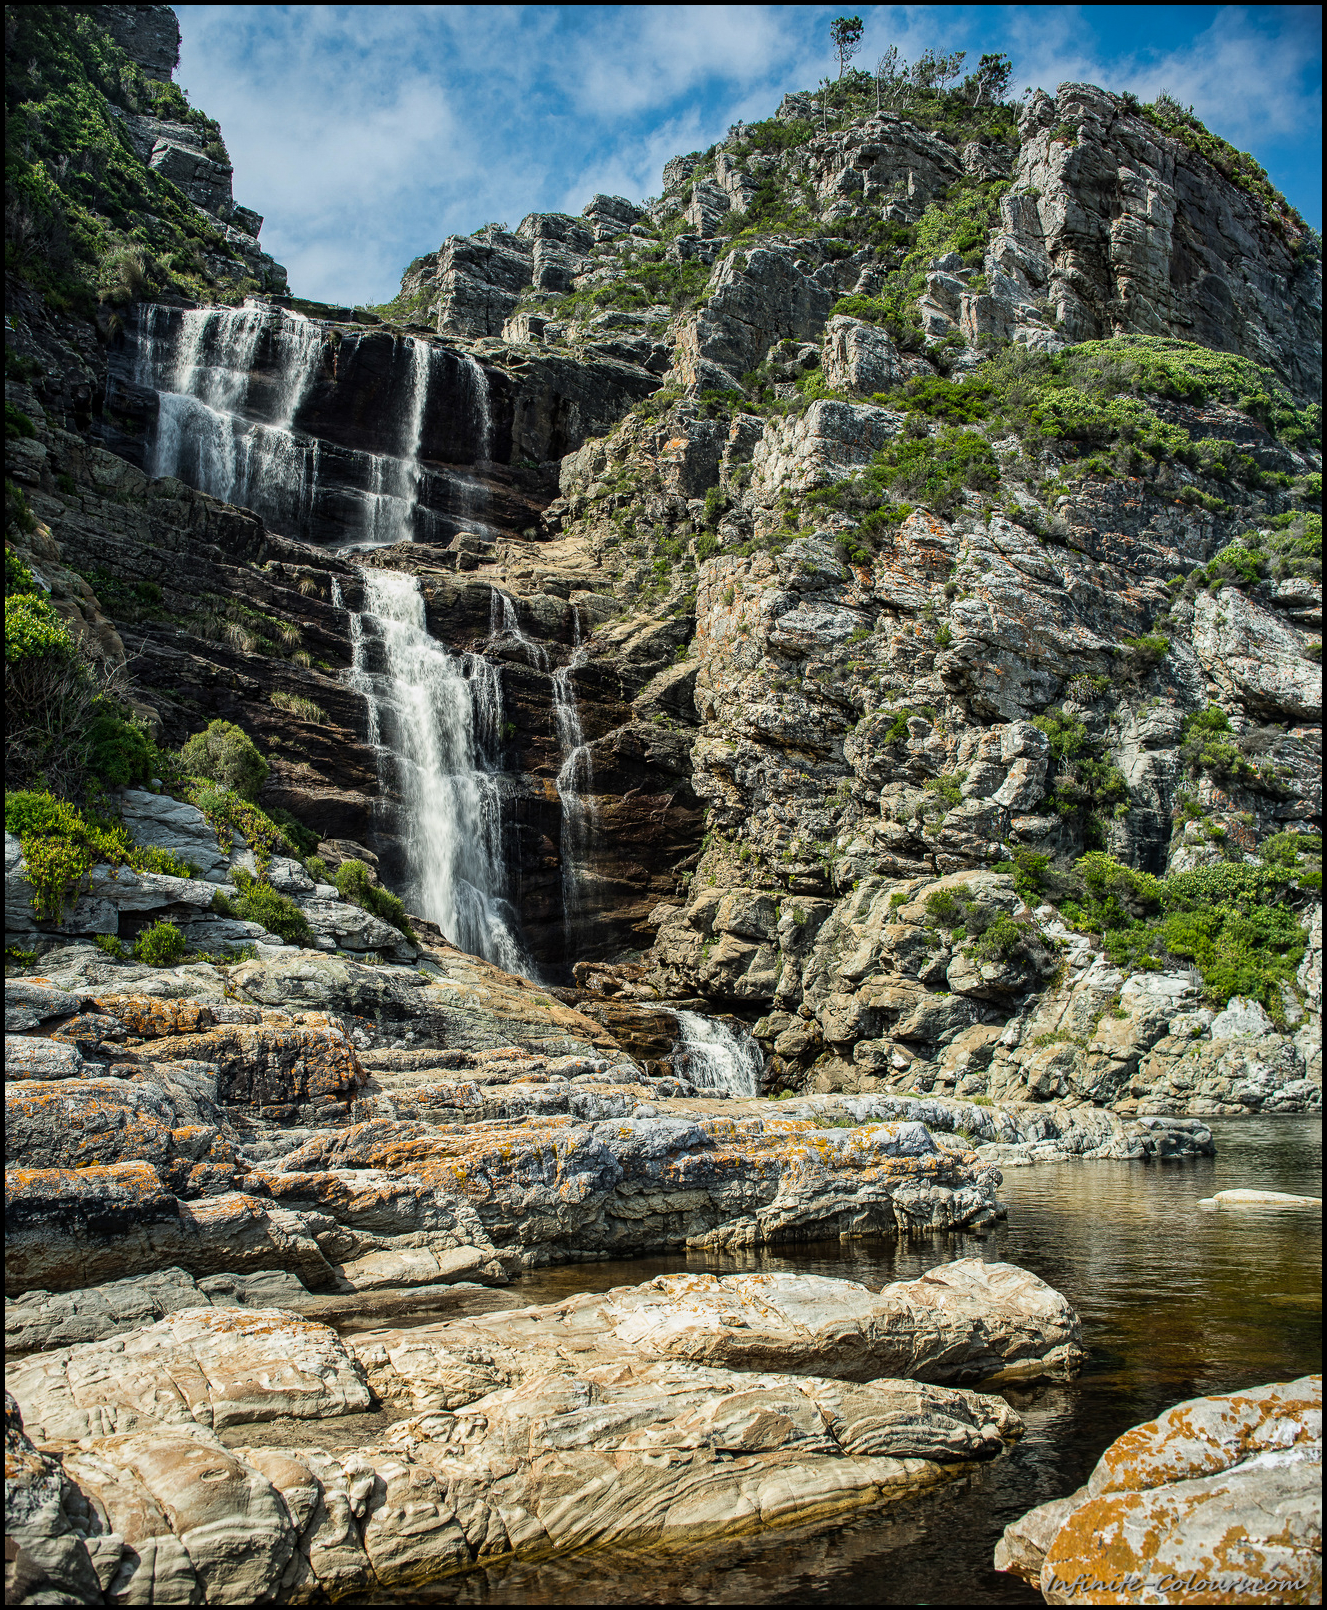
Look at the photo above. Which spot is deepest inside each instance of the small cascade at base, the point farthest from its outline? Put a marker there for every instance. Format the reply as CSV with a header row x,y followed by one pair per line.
x,y
712,1057
435,722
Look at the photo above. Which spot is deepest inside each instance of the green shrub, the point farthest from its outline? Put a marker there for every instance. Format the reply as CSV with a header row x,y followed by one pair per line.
x,y
33,629
1232,922
228,814
226,754
17,512
260,903
18,578
716,505
949,786
1145,652
152,859
110,945
1030,871
17,422
946,908
119,751
352,883
161,945
1003,939
897,731
303,838
60,845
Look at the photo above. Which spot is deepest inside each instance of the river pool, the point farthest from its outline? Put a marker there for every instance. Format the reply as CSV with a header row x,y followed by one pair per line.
x,y
1177,1301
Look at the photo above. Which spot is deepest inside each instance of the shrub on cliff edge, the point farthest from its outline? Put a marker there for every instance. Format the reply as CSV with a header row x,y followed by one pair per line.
x,y
352,883
226,754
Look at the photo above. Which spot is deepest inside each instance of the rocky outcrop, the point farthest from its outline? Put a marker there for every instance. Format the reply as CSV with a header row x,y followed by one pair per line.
x,y
1112,226
148,35
658,1393
1219,1495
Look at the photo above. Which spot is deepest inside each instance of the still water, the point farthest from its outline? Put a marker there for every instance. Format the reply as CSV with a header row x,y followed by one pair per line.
x,y
1176,1300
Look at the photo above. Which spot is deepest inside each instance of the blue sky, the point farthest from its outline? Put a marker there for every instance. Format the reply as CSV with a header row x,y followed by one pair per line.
x,y
367,134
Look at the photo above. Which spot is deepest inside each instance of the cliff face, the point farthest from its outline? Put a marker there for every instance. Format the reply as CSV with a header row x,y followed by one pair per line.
x,y
1124,230
901,510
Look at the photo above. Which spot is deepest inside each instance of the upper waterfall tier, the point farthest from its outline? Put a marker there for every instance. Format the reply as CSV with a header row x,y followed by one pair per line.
x,y
346,435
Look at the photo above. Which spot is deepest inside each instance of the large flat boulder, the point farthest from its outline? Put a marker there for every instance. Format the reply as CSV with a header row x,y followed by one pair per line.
x,y
485,1446
961,1322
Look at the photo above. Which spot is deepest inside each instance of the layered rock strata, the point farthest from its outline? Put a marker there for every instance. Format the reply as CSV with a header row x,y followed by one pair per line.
x,y
691,1420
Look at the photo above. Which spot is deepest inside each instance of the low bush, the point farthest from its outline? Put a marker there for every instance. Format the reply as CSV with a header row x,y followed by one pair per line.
x,y
227,814
1234,922
260,903
352,883
33,630
120,752
305,840
1002,940
161,945
61,844
227,755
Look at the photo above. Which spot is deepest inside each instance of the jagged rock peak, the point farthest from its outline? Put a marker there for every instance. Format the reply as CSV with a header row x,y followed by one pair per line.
x,y
148,35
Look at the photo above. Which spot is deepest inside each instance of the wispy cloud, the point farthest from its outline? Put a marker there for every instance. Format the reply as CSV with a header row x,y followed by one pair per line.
x,y
366,134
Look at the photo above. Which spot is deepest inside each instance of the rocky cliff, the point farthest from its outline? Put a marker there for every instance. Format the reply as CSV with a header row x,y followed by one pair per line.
x,y
700,727
915,513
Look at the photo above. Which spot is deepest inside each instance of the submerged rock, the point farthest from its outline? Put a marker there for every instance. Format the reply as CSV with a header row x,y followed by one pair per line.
x,y
1247,1199
1218,1501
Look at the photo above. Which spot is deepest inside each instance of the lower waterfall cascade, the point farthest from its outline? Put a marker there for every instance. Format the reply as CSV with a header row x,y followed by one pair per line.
x,y
435,722
712,1057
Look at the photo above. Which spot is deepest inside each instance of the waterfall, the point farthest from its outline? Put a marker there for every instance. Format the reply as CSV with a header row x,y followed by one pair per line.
x,y
481,407
435,722
207,436
393,493
202,387
573,784
712,1057
481,411
301,341
503,621
202,378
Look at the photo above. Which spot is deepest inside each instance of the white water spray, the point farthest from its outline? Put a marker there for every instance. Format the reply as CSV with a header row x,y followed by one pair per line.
x,y
712,1057
575,776
433,720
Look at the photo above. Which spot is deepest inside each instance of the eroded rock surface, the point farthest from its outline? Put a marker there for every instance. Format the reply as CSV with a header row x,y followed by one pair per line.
x,y
687,1401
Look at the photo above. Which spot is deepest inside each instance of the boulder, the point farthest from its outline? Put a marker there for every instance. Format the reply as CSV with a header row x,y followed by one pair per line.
x,y
1257,1199
477,1451
862,358
1218,1497
40,1320
961,1323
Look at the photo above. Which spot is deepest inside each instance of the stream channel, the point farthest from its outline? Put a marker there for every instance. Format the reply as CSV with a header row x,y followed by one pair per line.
x,y
1177,1301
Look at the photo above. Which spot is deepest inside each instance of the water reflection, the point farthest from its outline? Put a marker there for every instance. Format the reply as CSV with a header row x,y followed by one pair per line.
x,y
1176,1301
